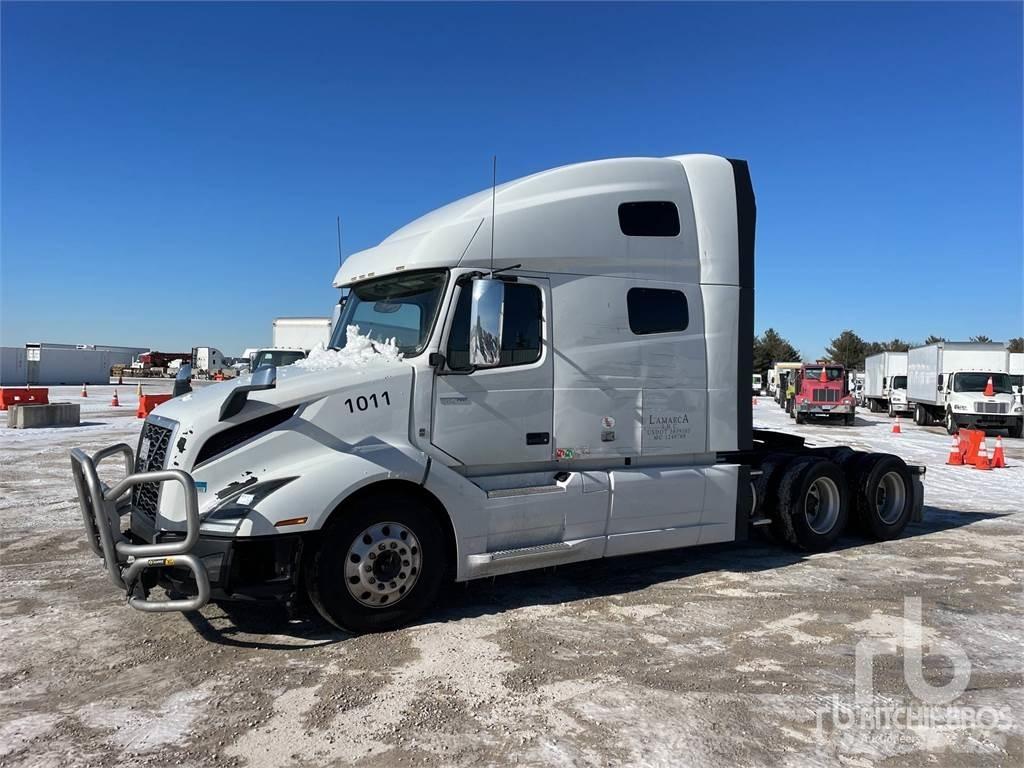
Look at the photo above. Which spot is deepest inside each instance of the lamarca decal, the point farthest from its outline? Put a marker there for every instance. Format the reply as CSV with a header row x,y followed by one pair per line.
x,y
664,427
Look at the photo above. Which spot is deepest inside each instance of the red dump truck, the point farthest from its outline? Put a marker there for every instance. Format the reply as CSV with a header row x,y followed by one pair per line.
x,y
822,392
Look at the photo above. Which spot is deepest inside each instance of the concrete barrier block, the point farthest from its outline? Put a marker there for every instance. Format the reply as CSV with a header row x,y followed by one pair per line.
x,y
50,415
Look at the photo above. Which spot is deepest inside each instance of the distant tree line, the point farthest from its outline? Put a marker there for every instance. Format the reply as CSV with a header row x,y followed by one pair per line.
x,y
847,348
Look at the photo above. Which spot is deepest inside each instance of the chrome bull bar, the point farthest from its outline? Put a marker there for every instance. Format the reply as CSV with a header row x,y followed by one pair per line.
x,y
102,507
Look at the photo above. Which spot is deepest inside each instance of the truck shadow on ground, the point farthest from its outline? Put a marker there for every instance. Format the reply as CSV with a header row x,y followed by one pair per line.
x,y
246,625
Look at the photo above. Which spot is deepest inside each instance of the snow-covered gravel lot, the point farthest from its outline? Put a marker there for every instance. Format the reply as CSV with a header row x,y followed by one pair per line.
x,y
719,656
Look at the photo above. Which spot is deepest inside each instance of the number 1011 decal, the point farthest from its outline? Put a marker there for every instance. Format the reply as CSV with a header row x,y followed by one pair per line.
x,y
363,403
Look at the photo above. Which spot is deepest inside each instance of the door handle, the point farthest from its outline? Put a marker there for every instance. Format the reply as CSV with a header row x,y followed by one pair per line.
x,y
538,438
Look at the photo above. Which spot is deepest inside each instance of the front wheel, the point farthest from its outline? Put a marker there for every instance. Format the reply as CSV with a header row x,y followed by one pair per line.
x,y
800,418
379,565
1017,430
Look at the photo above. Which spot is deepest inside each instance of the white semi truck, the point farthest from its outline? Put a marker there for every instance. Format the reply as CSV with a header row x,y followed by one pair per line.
x,y
885,383
561,380
963,384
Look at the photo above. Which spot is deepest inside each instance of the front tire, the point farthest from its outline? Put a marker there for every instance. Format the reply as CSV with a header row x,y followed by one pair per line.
x,y
813,504
379,565
1017,430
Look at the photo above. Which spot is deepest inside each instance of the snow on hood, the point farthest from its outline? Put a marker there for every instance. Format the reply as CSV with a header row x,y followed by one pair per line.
x,y
359,352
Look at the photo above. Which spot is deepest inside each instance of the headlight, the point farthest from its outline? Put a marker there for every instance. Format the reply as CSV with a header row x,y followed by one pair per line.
x,y
240,501
1018,409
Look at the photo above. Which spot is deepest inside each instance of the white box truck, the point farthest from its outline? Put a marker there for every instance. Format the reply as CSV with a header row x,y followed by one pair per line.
x,y
301,332
1017,374
579,392
293,339
963,384
885,383
207,362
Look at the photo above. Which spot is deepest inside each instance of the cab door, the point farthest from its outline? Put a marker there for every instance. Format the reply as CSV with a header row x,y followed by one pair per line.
x,y
501,415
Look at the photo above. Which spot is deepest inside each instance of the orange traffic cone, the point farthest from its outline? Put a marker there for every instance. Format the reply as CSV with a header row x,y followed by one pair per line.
x,y
982,461
823,376
998,458
896,427
955,457
114,401
85,392
989,389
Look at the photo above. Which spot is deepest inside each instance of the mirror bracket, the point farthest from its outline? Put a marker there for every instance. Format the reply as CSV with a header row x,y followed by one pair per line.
x,y
263,378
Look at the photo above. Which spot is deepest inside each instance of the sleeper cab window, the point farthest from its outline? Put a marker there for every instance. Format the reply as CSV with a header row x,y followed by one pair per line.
x,y
656,310
520,329
649,219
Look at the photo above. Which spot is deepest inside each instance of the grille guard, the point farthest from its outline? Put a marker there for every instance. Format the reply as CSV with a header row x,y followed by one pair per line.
x,y
102,507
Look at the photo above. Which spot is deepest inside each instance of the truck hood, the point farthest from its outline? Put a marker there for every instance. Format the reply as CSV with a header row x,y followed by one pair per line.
x,y
199,410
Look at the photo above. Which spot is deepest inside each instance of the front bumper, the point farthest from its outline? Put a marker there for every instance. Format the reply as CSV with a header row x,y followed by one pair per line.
x,y
986,420
126,560
817,409
199,565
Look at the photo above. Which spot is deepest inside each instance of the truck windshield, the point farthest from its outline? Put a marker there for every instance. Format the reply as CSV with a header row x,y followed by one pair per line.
x,y
899,382
278,357
832,374
976,382
401,306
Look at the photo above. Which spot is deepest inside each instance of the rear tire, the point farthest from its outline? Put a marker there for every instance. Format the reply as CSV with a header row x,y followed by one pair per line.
x,y
356,601
813,504
951,425
884,496
921,416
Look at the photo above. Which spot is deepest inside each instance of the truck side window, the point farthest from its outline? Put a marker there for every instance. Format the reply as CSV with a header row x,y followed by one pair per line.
x,y
659,218
656,310
520,330
938,383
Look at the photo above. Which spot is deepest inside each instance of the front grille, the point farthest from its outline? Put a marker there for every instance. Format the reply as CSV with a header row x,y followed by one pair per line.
x,y
982,407
154,445
825,395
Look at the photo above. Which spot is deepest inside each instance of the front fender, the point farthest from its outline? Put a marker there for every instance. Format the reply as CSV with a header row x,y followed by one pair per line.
x,y
321,484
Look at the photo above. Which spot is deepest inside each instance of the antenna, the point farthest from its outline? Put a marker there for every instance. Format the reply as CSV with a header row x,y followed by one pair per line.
x,y
339,240
494,192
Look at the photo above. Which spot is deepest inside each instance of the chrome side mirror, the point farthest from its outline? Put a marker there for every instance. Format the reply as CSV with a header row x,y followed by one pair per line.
x,y
486,316
182,381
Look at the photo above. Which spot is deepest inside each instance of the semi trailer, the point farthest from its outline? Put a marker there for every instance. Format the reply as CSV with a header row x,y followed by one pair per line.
x,y
885,383
963,384
550,371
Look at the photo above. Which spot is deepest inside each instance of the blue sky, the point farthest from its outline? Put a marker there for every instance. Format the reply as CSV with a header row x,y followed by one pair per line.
x,y
171,173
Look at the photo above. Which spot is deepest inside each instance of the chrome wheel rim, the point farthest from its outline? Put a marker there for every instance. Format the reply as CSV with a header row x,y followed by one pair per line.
x,y
890,497
383,564
821,505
